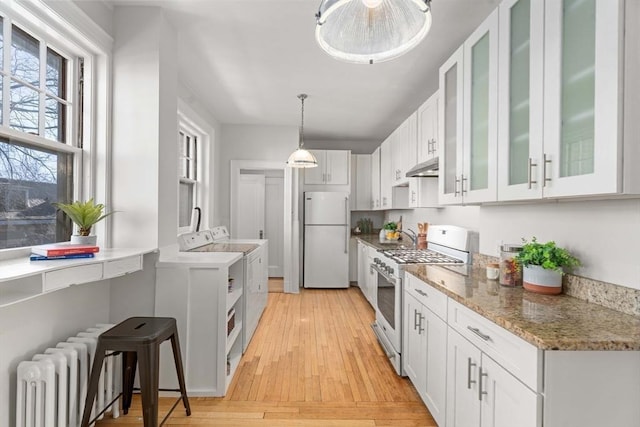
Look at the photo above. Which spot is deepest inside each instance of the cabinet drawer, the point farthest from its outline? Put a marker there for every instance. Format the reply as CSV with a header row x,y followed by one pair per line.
x,y
517,356
120,267
431,298
72,276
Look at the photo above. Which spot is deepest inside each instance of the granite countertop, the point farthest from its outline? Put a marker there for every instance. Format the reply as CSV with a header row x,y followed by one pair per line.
x,y
559,322
374,240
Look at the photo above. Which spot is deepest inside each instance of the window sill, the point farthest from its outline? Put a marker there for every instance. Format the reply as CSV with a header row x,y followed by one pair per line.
x,y
21,279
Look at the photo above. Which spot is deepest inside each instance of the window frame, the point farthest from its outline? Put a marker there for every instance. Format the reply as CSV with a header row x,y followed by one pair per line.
x,y
86,133
186,127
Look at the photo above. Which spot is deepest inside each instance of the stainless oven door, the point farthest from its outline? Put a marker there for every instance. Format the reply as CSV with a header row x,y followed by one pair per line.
x,y
388,313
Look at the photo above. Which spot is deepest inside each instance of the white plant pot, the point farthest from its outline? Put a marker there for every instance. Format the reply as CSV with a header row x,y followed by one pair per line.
x,y
382,236
76,239
542,281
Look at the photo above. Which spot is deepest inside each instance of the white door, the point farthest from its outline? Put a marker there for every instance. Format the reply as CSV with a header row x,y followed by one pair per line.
x,y
414,351
274,223
505,401
463,365
436,365
250,207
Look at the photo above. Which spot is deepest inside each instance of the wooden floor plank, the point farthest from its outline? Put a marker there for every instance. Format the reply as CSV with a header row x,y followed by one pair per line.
x,y
313,362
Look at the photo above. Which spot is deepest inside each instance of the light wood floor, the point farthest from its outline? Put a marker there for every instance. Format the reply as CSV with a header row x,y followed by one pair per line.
x,y
276,284
314,361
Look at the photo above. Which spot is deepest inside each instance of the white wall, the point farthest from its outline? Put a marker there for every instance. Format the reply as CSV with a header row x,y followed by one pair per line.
x,y
32,326
603,234
144,148
242,142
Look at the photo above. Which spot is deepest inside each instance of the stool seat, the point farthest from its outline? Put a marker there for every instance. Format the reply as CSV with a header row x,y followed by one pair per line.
x,y
139,339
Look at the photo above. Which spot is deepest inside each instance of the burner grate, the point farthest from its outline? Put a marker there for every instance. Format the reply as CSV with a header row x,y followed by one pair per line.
x,y
420,256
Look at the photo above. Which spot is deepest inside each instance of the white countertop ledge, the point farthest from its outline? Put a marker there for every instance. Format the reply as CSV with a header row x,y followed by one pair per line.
x,y
16,268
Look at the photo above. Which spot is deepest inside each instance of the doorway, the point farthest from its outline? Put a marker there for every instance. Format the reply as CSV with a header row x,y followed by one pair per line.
x,y
264,205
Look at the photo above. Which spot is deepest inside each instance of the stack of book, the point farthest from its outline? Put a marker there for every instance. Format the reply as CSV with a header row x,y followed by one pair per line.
x,y
64,250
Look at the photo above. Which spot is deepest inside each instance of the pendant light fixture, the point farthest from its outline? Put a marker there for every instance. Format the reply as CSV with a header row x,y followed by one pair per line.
x,y
368,31
302,158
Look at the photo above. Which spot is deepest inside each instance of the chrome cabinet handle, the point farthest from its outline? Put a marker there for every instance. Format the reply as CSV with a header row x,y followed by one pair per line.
x,y
413,196
420,328
530,173
544,170
455,191
423,293
463,180
346,221
478,333
480,392
415,319
470,364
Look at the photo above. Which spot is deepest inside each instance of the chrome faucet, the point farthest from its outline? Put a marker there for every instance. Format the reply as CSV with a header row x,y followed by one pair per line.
x,y
411,236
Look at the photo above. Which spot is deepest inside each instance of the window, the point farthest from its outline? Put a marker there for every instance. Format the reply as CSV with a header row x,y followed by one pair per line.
x,y
188,142
39,152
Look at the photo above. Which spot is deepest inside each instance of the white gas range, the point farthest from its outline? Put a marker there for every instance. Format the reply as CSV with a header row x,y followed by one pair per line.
x,y
447,245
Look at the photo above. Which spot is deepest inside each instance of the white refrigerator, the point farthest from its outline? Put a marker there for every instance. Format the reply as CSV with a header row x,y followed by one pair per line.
x,y
326,239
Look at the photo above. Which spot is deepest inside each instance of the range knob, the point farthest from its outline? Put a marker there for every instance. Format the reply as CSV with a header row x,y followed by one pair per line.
x,y
376,260
390,270
383,265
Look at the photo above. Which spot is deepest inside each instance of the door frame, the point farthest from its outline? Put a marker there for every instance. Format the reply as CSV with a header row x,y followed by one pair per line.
x,y
291,238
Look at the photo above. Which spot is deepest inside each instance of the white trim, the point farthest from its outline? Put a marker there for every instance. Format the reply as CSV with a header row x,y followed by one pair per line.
x,y
290,214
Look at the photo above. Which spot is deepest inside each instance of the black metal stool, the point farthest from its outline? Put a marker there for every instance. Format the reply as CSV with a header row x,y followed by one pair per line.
x,y
139,339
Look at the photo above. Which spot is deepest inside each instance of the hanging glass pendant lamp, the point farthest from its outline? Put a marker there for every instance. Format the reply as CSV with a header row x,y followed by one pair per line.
x,y
302,158
368,31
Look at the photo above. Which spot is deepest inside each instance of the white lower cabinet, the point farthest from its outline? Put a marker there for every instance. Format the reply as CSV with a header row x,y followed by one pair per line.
x,y
425,353
482,393
496,379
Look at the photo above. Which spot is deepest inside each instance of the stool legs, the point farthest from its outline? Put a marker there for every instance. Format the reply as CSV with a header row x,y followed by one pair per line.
x,y
149,373
177,358
93,383
129,362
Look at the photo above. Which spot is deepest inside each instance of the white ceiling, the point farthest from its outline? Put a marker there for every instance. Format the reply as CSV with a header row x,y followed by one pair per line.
x,y
248,59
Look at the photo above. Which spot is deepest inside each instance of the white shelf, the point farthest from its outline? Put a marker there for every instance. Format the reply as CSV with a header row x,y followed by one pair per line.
x,y
21,279
233,296
233,336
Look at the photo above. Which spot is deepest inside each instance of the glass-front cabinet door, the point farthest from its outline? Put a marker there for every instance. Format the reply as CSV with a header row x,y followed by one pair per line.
x,y
520,99
479,176
450,129
582,101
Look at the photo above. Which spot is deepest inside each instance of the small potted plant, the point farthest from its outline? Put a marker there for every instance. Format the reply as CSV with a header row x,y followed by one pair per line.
x,y
84,216
543,265
391,230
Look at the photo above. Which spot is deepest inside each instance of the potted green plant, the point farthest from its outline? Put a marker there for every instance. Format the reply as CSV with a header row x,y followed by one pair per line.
x,y
84,216
390,230
543,265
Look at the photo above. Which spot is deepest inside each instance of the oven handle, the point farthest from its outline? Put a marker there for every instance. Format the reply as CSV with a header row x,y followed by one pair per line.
x,y
382,340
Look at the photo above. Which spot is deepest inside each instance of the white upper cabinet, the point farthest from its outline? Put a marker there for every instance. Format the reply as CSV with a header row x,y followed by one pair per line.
x,y
468,119
583,92
360,182
375,179
478,182
385,173
333,168
568,122
404,149
427,121
520,103
450,128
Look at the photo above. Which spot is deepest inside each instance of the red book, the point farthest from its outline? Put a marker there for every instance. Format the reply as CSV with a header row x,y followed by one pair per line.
x,y
64,248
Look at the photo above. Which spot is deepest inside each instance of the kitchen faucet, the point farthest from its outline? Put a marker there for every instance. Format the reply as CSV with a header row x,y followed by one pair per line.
x,y
411,236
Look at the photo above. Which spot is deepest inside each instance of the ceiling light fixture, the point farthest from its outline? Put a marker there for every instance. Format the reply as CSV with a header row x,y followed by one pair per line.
x,y
302,158
368,31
